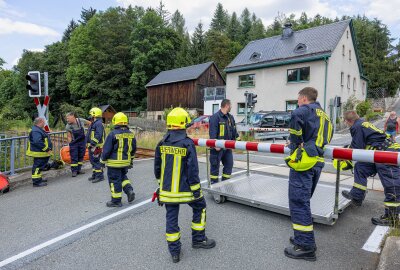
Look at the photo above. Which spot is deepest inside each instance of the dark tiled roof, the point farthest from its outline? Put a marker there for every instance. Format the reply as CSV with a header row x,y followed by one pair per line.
x,y
318,41
180,74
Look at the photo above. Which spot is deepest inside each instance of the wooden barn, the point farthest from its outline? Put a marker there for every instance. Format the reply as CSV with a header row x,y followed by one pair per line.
x,y
108,113
181,87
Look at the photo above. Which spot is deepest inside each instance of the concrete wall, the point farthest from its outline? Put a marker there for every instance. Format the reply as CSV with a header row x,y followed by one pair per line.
x,y
208,106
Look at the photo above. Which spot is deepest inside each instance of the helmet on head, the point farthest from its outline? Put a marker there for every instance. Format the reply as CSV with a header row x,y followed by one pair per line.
x,y
178,118
95,112
120,119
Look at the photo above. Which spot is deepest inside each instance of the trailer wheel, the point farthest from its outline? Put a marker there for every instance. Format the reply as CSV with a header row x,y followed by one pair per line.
x,y
219,199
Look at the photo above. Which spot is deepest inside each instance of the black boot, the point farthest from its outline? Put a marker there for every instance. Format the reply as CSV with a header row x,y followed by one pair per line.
x,y
348,196
207,244
81,172
386,220
74,174
176,258
99,179
113,204
297,252
91,178
291,240
131,195
40,184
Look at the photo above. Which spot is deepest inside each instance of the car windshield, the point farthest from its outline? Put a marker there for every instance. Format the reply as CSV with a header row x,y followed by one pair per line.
x,y
255,118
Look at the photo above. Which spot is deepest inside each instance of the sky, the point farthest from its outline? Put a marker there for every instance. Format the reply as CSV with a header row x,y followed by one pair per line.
x,y
35,23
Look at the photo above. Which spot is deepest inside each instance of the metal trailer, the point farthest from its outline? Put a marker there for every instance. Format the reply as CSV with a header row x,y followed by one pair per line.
x,y
270,192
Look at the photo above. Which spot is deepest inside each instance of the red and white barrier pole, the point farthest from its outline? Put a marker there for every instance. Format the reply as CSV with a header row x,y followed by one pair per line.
x,y
385,157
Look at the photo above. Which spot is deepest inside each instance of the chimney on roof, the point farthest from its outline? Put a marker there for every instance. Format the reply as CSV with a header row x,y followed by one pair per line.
x,y
287,31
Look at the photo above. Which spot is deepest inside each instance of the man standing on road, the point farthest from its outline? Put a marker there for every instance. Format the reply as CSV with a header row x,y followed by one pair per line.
x,y
310,130
392,125
40,148
118,154
222,127
76,139
95,139
366,136
177,172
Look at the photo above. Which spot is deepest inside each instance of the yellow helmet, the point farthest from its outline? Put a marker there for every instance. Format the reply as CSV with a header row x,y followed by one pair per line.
x,y
120,119
344,164
95,112
178,118
305,163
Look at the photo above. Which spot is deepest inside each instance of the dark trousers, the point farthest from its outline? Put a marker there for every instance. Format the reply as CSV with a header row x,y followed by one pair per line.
x,y
77,152
96,165
390,179
301,188
224,155
39,164
173,234
118,181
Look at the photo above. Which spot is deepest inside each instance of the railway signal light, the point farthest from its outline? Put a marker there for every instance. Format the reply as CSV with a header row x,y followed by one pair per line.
x,y
33,86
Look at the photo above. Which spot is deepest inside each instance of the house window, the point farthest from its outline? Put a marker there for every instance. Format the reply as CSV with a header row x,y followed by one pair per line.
x,y
348,81
343,51
291,105
349,55
342,79
247,80
354,84
241,108
215,108
298,74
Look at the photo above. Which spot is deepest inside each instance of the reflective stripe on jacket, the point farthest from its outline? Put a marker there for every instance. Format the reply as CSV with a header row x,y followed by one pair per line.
x,y
96,134
119,148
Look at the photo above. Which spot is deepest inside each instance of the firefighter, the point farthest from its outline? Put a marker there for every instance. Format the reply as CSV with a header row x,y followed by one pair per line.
x,y
222,127
366,136
310,130
177,172
76,139
94,140
40,148
118,153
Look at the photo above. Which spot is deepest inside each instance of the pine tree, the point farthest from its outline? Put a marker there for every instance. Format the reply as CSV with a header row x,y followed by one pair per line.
x,y
245,20
70,28
198,49
234,28
86,15
178,23
220,20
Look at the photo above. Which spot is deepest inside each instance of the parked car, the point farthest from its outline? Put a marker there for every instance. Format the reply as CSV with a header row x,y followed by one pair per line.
x,y
274,119
200,124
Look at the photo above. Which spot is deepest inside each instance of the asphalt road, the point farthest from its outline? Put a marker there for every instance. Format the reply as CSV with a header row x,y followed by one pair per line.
x,y
246,237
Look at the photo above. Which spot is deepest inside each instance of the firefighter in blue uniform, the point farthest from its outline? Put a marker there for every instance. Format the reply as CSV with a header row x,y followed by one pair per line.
x,y
366,136
222,127
310,130
118,154
76,138
94,140
40,148
176,169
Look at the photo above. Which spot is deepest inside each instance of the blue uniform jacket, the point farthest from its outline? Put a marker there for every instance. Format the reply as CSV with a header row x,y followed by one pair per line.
x,y
96,134
222,127
176,168
119,148
366,136
309,124
39,143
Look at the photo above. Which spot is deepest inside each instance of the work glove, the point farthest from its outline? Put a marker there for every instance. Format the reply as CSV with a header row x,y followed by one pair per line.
x,y
299,154
97,151
156,195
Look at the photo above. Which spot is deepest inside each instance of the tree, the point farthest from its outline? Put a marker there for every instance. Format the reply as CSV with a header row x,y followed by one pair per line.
x,y
154,48
178,23
2,62
220,20
163,13
234,28
220,48
70,28
198,50
86,15
245,20
257,30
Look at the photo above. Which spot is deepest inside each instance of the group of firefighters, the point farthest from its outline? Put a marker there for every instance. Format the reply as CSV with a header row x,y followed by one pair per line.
x,y
177,173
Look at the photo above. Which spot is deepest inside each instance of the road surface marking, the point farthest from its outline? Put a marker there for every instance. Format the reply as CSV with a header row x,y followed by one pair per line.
x,y
374,241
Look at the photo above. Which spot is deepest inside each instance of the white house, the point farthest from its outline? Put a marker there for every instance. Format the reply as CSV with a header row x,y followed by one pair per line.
x,y
276,68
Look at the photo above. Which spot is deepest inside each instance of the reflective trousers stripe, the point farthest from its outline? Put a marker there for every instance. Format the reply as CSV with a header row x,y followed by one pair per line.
x,y
125,182
214,176
80,163
97,171
359,186
115,195
172,237
303,228
226,175
202,225
74,164
392,204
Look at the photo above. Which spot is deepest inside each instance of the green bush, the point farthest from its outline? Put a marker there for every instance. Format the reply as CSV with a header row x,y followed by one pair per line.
x,y
371,116
363,108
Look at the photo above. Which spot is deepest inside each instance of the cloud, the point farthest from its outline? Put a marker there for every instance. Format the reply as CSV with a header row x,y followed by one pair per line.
x,y
387,11
15,61
8,26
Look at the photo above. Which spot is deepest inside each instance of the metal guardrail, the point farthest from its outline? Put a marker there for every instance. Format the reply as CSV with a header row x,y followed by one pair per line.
x,y
12,151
